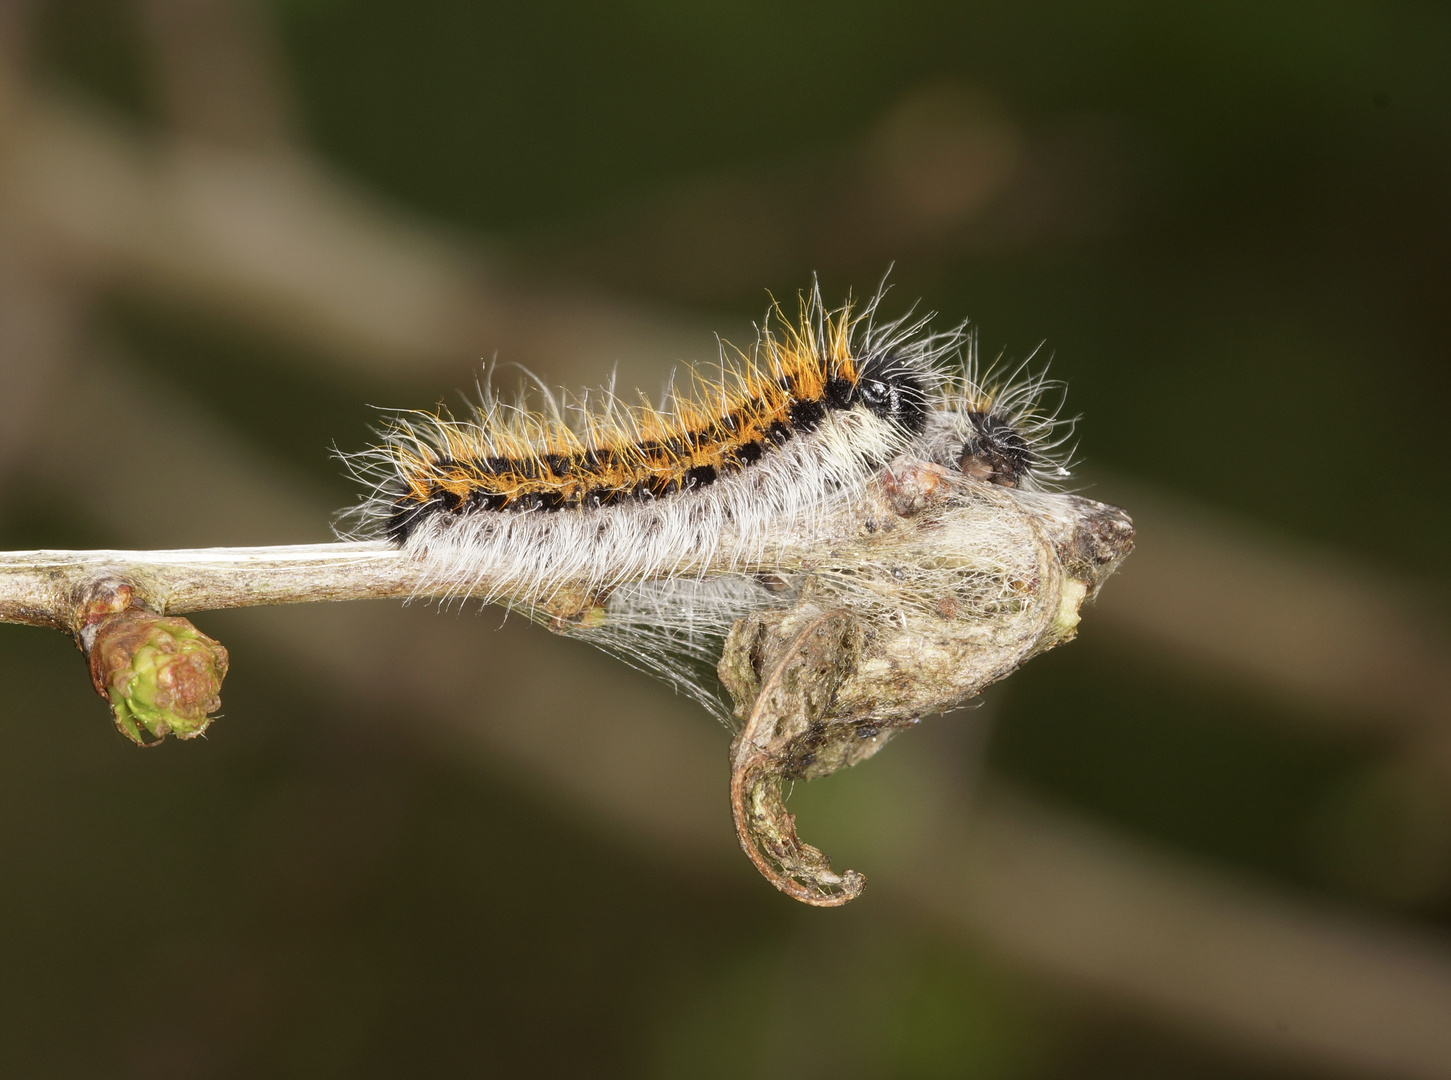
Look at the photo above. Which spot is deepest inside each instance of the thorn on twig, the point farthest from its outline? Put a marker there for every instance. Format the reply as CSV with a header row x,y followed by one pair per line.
x,y
160,673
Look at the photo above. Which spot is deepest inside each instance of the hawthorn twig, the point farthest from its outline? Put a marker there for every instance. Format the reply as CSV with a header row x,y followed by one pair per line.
x,y
53,588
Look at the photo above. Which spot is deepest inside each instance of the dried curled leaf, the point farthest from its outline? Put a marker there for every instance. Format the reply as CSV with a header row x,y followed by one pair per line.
x,y
913,618
787,737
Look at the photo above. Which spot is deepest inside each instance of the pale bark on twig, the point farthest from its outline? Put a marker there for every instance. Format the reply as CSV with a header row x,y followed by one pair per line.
x,y
48,588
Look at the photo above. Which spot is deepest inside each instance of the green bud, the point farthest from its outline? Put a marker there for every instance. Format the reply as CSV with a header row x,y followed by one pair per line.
x,y
161,674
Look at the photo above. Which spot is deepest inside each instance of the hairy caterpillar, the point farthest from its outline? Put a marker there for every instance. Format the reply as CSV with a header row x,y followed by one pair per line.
x,y
650,531
590,493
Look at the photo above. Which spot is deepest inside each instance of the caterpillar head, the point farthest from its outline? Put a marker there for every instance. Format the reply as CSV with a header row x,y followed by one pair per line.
x,y
995,452
893,391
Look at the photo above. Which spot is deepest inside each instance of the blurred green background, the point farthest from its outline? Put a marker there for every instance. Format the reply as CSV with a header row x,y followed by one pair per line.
x,y
1231,225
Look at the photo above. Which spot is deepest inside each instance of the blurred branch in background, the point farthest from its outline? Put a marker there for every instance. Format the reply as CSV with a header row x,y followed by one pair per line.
x,y
225,213
220,80
943,170
1338,643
